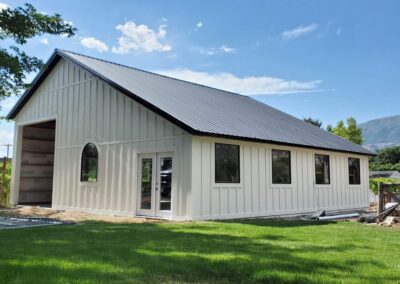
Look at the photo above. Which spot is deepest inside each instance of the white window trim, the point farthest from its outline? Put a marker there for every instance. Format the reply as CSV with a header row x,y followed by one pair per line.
x,y
281,185
329,185
89,183
348,176
241,156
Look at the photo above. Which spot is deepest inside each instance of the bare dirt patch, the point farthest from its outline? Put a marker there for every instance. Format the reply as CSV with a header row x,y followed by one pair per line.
x,y
74,216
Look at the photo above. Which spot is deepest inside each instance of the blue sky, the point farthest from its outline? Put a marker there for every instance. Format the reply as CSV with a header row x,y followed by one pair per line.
x,y
324,59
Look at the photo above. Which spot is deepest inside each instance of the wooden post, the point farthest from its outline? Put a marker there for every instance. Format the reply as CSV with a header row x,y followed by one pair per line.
x,y
3,183
380,198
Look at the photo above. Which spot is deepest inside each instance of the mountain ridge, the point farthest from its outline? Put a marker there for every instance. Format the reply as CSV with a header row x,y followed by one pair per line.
x,y
381,132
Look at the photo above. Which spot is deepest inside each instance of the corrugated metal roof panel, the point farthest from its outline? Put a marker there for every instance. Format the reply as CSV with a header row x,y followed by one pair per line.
x,y
210,111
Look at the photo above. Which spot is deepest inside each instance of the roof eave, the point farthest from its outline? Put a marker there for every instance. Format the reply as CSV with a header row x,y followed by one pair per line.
x,y
366,153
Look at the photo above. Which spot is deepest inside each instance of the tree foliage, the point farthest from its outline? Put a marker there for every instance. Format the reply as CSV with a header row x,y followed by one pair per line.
x,y
373,166
387,159
6,194
19,25
313,121
350,132
387,156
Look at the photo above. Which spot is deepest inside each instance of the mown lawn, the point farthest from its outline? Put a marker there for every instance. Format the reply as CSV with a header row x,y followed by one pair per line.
x,y
202,252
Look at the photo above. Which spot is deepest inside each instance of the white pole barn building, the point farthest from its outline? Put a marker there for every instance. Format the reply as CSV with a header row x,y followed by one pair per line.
x,y
100,137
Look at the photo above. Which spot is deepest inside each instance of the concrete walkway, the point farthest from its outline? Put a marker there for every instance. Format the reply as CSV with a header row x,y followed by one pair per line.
x,y
17,222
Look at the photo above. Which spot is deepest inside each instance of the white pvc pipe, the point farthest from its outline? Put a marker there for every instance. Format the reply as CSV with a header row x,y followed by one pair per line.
x,y
344,216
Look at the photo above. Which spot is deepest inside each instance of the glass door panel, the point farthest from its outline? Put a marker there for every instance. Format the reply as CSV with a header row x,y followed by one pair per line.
x,y
146,183
155,185
165,183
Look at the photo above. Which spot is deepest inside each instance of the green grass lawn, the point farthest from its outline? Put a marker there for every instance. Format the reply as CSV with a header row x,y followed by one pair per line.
x,y
236,251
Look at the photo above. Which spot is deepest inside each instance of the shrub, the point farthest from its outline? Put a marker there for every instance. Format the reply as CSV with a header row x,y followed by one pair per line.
x,y
4,199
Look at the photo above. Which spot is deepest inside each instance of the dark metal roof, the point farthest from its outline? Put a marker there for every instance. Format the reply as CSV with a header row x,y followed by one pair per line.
x,y
202,110
386,174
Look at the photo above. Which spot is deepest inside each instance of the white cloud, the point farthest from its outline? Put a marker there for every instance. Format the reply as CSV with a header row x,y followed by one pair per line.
x,y
45,41
262,85
69,22
227,49
6,137
299,31
199,25
140,38
93,43
3,6
215,50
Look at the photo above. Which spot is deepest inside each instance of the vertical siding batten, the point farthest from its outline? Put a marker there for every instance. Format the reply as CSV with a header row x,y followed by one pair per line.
x,y
257,196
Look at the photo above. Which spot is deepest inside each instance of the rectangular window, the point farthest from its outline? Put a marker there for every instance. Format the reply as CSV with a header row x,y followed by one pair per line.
x,y
322,175
354,171
281,172
227,163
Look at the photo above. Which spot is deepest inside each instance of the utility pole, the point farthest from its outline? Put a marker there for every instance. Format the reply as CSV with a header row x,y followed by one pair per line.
x,y
3,177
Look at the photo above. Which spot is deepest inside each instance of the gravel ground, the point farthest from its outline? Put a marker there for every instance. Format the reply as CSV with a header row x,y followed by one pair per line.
x,y
74,216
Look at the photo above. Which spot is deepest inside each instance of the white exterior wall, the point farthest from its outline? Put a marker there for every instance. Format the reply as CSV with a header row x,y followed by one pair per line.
x,y
255,195
87,109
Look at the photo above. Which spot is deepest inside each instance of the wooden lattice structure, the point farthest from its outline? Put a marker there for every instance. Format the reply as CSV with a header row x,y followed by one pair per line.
x,y
387,193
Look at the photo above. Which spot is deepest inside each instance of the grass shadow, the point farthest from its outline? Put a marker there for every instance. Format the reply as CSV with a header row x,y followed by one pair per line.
x,y
205,252
278,222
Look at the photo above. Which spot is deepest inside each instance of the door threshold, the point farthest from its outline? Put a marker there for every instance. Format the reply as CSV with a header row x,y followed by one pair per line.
x,y
154,217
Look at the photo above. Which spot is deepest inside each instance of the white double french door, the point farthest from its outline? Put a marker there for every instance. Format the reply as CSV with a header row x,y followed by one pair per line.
x,y
155,184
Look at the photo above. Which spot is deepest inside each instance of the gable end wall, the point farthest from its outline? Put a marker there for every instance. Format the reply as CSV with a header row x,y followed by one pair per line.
x,y
88,109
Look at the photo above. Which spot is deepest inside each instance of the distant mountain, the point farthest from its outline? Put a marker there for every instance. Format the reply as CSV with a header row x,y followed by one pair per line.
x,y
381,133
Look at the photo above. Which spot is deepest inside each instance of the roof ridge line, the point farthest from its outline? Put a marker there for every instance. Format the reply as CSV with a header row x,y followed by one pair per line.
x,y
149,72
307,138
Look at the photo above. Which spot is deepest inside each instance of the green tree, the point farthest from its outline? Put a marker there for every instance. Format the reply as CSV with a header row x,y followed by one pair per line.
x,y
313,121
386,159
19,25
354,133
350,132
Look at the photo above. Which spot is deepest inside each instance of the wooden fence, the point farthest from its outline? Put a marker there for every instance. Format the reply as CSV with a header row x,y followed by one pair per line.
x,y
387,192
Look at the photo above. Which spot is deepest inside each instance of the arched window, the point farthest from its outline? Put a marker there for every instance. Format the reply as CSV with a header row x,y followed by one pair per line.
x,y
89,163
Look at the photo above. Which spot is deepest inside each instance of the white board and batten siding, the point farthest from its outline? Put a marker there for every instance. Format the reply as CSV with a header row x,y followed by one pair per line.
x,y
87,109
255,195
